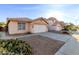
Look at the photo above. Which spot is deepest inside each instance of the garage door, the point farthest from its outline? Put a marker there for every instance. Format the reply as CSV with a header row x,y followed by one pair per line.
x,y
39,28
57,28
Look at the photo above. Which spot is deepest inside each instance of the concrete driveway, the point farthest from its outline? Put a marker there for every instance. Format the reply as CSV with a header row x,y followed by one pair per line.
x,y
71,46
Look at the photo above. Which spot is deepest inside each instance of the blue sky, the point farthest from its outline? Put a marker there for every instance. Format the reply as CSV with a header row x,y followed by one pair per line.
x,y
63,12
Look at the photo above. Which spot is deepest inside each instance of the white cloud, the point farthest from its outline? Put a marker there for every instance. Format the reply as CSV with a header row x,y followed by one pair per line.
x,y
57,14
57,5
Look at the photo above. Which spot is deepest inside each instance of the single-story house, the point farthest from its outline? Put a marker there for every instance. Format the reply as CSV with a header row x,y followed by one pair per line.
x,y
54,24
25,25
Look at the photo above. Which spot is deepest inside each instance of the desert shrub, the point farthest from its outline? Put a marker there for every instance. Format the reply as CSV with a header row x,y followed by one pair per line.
x,y
14,47
70,27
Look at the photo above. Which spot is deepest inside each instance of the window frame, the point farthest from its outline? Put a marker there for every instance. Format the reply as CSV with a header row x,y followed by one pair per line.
x,y
21,25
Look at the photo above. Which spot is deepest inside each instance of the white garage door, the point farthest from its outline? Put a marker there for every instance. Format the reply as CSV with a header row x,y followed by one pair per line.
x,y
54,28
39,28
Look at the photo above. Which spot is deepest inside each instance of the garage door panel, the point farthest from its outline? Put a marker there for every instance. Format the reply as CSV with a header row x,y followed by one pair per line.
x,y
39,28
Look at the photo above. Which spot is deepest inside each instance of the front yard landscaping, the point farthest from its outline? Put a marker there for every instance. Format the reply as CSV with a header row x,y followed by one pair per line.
x,y
30,45
14,47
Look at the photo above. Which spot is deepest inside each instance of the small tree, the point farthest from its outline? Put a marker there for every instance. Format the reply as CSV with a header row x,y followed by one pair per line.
x,y
70,27
2,24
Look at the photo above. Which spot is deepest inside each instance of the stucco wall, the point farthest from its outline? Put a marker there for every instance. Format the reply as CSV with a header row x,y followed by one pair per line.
x,y
13,28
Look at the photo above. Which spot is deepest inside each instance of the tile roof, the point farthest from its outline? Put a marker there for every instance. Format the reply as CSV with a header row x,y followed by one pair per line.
x,y
19,19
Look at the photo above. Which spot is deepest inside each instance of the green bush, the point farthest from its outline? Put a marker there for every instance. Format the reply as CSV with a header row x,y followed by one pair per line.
x,y
70,27
14,47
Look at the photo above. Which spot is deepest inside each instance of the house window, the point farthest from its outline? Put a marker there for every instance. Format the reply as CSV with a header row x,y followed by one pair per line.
x,y
21,26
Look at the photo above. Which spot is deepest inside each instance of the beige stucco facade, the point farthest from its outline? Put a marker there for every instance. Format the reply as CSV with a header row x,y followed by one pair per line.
x,y
32,27
13,28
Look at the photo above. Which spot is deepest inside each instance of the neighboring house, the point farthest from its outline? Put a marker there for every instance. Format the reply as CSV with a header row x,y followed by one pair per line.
x,y
25,25
54,24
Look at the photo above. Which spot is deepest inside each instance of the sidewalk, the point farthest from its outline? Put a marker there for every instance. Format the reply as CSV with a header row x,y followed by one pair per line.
x,y
70,48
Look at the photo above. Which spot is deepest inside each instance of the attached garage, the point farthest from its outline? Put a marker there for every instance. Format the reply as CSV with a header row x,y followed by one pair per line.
x,y
39,28
56,28
39,25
